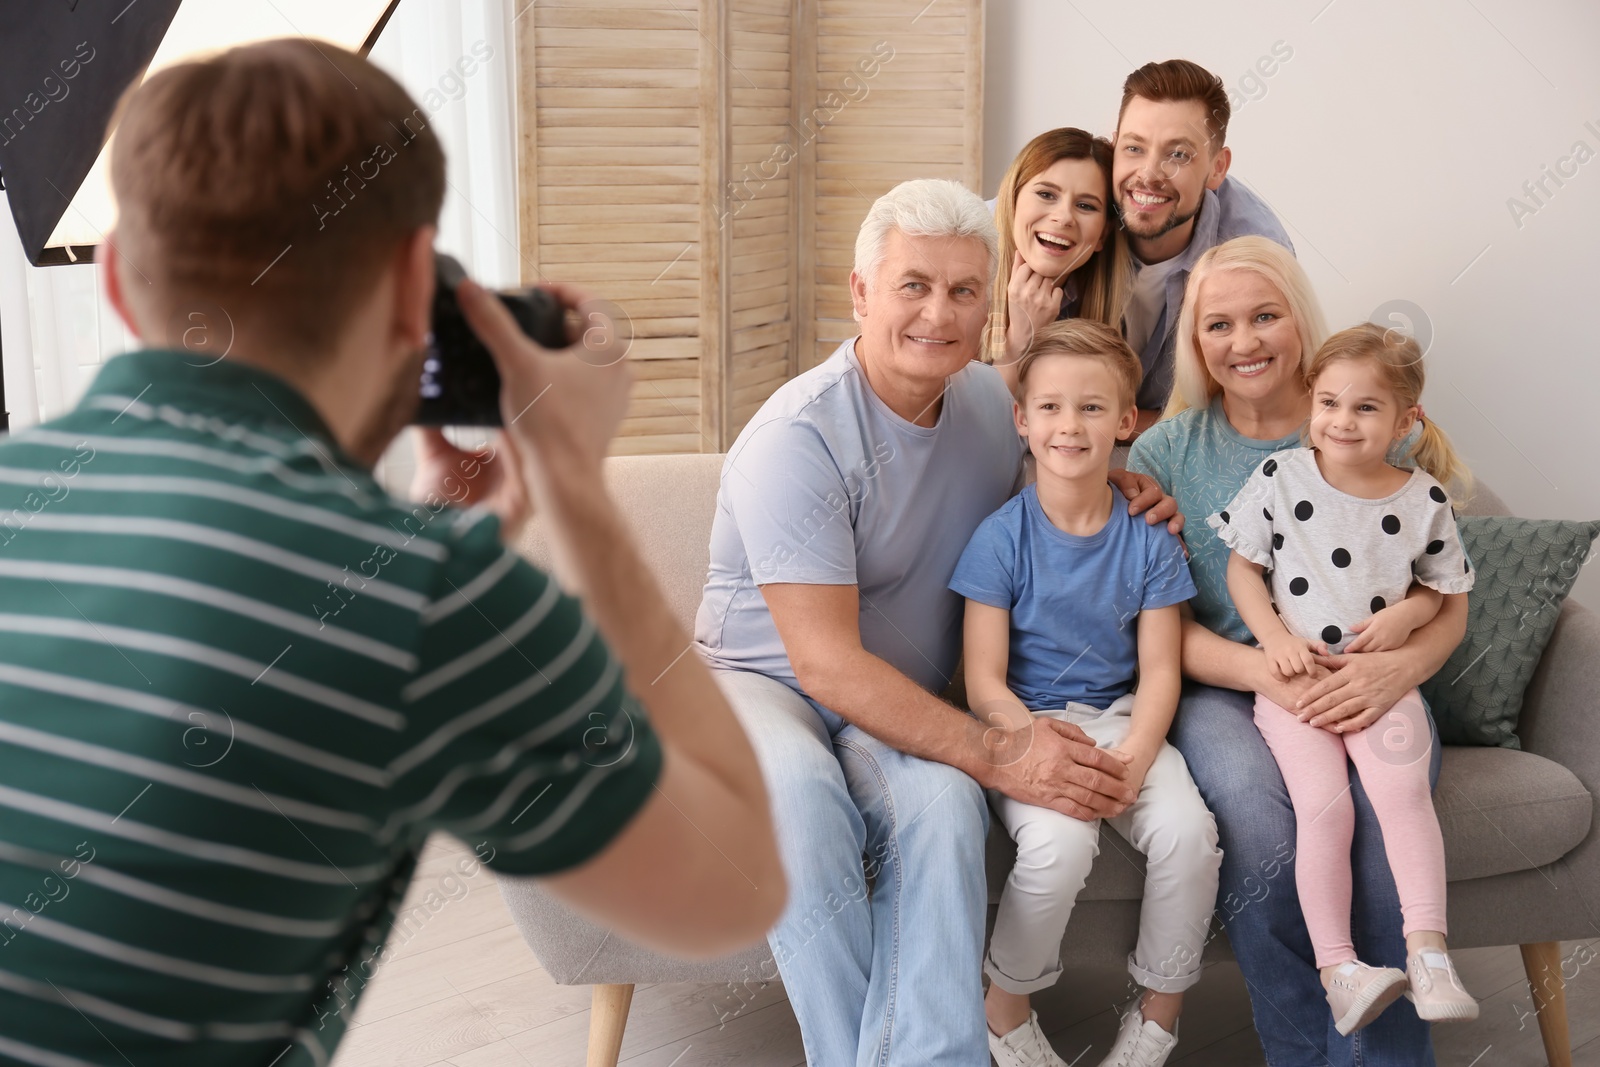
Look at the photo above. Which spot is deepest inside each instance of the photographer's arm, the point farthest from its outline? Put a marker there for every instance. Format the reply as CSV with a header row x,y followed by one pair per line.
x,y
704,843
696,871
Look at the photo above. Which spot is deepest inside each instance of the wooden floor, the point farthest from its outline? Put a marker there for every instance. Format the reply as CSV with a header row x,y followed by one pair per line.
x,y
465,990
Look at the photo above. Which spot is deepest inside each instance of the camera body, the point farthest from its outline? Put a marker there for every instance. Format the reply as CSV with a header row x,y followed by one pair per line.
x,y
460,385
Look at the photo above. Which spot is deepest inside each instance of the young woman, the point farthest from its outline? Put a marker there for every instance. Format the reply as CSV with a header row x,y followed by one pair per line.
x,y
1061,254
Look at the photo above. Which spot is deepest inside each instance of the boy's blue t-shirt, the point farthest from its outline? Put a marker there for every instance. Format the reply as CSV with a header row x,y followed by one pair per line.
x,y
1074,601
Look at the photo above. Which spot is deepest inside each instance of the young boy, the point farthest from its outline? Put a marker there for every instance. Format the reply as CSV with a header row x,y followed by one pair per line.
x,y
1068,598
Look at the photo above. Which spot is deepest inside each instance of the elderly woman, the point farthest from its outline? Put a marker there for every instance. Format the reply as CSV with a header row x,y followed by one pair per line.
x,y
1250,324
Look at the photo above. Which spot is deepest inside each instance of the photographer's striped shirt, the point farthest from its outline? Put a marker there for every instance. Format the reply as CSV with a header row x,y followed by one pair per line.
x,y
238,687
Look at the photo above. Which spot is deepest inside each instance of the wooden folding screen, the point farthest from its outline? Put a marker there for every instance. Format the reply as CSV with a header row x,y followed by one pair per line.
x,y
705,164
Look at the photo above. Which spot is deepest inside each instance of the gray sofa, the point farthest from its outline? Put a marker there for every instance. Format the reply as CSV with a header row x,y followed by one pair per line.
x,y
1522,852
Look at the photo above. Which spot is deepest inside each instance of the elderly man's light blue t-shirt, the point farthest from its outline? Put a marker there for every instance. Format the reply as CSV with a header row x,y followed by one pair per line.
x,y
1074,600
826,485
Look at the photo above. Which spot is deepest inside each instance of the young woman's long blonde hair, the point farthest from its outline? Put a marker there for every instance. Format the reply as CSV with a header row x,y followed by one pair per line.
x,y
1192,384
1399,361
1105,279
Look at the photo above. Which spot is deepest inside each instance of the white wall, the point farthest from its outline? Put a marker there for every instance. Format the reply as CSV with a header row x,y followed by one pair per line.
x,y
1389,143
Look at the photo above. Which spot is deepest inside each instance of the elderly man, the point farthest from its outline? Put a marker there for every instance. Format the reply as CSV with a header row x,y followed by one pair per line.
x,y
844,506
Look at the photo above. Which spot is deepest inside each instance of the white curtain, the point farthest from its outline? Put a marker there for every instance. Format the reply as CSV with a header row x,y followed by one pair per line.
x,y
437,50
455,58
56,329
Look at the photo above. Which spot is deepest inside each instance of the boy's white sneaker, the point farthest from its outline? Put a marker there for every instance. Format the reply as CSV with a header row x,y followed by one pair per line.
x,y
1436,989
1025,1046
1358,994
1140,1043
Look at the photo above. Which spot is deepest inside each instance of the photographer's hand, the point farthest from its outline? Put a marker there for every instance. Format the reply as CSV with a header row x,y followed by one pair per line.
x,y
490,476
560,408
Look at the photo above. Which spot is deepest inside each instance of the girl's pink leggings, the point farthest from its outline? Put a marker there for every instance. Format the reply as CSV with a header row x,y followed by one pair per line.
x,y
1391,756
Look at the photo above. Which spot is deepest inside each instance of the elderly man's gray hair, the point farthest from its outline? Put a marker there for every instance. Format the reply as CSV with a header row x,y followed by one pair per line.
x,y
925,207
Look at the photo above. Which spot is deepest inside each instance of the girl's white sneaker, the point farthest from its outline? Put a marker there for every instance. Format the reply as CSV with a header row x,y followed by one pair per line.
x,y
1025,1046
1140,1043
1358,994
1436,989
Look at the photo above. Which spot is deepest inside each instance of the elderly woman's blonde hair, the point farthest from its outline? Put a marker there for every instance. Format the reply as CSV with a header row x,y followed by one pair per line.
x,y
1192,384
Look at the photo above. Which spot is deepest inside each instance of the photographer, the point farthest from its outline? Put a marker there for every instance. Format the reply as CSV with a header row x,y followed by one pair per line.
x,y
239,685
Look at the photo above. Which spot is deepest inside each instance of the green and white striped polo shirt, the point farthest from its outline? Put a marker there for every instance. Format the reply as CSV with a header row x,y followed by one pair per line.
x,y
238,686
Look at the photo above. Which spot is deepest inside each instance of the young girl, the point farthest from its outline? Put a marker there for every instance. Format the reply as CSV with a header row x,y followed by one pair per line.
x,y
1060,255
1360,554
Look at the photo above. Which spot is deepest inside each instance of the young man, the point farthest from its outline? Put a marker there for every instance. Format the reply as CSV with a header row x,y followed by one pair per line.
x,y
239,685
1069,601
1170,178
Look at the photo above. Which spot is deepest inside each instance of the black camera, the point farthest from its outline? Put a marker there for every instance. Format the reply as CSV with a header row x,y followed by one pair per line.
x,y
460,384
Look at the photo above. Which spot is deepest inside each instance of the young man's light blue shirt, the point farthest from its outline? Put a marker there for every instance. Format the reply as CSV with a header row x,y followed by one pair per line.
x,y
1230,211
1074,601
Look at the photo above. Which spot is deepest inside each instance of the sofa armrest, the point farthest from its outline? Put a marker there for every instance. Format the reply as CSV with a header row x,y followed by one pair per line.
x,y
1561,721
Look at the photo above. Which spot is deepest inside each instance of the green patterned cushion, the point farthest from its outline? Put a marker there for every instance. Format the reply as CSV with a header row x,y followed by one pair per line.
x,y
1526,568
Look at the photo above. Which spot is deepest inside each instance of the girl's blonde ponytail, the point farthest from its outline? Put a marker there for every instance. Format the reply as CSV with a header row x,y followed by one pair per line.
x,y
1434,453
1401,360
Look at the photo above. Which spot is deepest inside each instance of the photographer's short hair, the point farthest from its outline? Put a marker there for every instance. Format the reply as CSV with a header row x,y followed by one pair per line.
x,y
1088,339
1180,80
924,207
273,180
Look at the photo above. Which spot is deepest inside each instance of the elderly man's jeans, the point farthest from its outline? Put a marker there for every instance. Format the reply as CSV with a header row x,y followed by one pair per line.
x,y
1257,903
891,977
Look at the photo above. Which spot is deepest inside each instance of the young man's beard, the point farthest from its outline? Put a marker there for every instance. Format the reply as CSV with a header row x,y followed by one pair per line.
x,y
393,414
1171,224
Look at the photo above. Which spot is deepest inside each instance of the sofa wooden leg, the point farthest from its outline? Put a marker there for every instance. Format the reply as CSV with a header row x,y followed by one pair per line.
x,y
608,1018
1542,962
